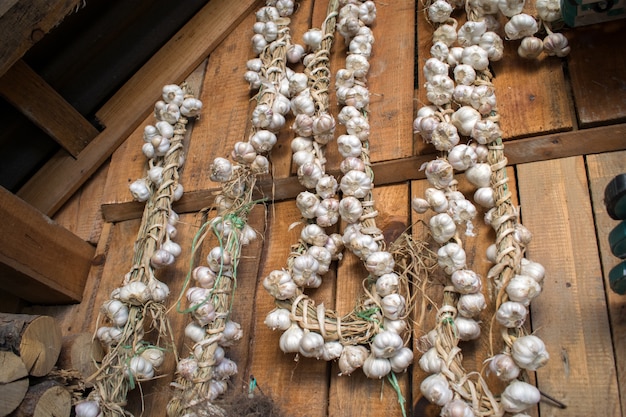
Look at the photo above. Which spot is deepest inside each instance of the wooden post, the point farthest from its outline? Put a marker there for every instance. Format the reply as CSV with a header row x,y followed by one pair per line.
x,y
13,382
36,339
46,399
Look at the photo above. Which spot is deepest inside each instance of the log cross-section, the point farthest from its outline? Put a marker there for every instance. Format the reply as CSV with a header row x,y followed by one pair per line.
x,y
40,261
37,100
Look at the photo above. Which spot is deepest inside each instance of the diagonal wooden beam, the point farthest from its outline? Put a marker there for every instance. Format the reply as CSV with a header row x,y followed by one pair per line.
x,y
62,175
37,100
40,261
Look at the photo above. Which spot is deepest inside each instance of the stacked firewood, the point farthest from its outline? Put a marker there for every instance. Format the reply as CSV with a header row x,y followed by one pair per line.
x,y
39,369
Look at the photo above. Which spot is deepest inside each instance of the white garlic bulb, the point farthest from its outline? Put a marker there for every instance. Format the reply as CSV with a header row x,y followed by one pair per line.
x,y
461,157
511,314
451,257
519,396
393,306
510,8
556,44
523,289
520,26
376,368
420,205
401,360
467,328
445,34
548,10
529,352
504,367
186,368
356,183
430,362
439,88
154,355
311,344
313,235
231,334
439,11
387,284
225,369
280,285
532,269
278,318
135,293
140,190
479,174
444,136
139,368
116,311
471,305
331,350
436,389
442,227
464,118
386,344
290,340
457,408
530,47
88,409
203,276
350,209
484,196
436,199
470,32
466,281
380,263
304,271
476,57
352,358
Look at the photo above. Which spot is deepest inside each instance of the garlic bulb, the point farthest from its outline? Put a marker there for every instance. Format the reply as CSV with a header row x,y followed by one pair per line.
x,y
530,47
436,199
290,340
532,269
548,10
445,34
380,263
479,174
350,209
203,276
493,44
387,284
313,38
439,89
484,196
191,107
313,235
464,74
529,352
356,183
278,318
461,157
430,362
397,326
331,350
470,32
451,257
173,93
154,355
519,396
358,64
439,11
116,311
216,388
476,57
523,289
440,51
231,334
520,26
444,137
457,408
219,260
135,293
186,368
439,172
471,305
511,314
393,306
304,271
280,285
140,190
556,44
420,205
376,368
195,332
466,281
326,186
442,227
401,360
464,118
349,145
263,141
504,367
467,328
436,389
139,368
352,357
386,344
510,8
225,369
87,409
311,344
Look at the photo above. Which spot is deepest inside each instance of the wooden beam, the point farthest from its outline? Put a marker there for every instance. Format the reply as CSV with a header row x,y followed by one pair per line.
x,y
40,261
38,101
132,103
540,148
23,23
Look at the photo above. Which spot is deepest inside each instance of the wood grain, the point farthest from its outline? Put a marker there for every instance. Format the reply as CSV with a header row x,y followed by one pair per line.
x,y
602,169
31,248
128,107
571,313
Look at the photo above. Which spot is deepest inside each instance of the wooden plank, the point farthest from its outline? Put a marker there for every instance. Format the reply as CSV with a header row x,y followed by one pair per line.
x,y
596,65
39,102
571,313
538,148
375,397
474,353
291,384
130,105
24,23
82,214
52,262
601,169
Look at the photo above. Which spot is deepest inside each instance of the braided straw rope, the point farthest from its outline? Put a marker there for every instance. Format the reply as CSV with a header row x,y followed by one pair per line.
x,y
111,381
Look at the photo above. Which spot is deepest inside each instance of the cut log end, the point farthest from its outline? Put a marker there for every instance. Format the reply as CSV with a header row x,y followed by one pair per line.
x,y
46,399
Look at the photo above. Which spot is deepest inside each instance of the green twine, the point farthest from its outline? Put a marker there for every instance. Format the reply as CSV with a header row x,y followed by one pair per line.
x,y
394,384
368,314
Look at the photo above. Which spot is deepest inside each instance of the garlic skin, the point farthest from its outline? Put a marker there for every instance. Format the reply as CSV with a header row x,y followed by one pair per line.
x,y
311,345
451,257
352,358
393,306
439,172
356,183
436,389
511,314
154,355
548,10
504,367
280,285
439,11
519,396
470,32
457,408
471,305
376,368
380,263
520,26
278,318
140,369
387,284
556,44
532,269
466,281
442,227
476,57
87,409
522,289
430,362
529,352
386,344
140,190
331,350
530,47
479,175
510,8
467,328
401,360
464,118
290,340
